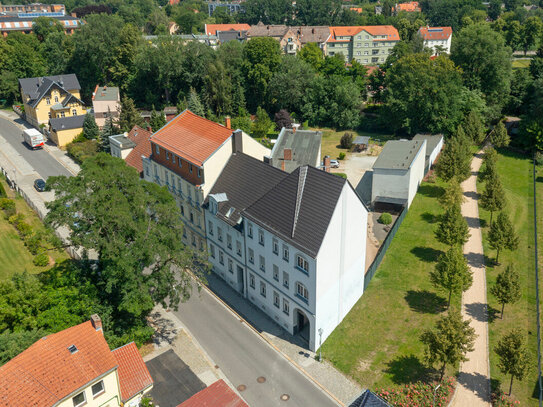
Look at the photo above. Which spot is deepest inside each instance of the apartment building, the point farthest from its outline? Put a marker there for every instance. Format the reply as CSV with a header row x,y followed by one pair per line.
x,y
438,39
368,45
292,244
188,155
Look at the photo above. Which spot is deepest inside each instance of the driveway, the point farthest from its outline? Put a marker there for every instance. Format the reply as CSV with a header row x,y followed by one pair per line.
x,y
354,166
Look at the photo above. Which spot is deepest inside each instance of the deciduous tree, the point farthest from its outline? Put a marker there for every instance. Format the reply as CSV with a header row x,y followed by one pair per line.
x,y
507,287
282,119
502,235
453,195
452,229
452,272
262,124
493,198
455,159
514,358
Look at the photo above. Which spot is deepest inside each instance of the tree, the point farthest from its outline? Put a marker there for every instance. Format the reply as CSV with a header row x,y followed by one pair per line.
x,y
132,226
449,342
108,130
452,272
536,65
312,54
129,116
490,158
502,235
494,9
267,12
514,356
507,287
531,31
453,195
499,136
194,104
473,127
455,159
218,89
44,26
262,125
282,119
318,12
452,229
90,128
493,198
157,120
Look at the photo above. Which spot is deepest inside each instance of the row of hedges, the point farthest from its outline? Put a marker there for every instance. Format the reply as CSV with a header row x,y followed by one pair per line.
x,y
420,394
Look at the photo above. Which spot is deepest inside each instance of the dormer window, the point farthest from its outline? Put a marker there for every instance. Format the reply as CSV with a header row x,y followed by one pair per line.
x,y
48,101
56,99
73,349
157,149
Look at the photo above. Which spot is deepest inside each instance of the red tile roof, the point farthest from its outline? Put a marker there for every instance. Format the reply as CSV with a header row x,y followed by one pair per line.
x,y
141,138
216,395
435,33
47,371
134,377
389,31
191,137
411,6
211,29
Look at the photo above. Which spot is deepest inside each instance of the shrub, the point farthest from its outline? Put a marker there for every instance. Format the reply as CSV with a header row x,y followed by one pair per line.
x,y
341,156
41,259
34,243
81,151
419,394
305,125
539,158
346,141
15,219
341,174
385,218
80,138
6,203
2,191
24,229
282,119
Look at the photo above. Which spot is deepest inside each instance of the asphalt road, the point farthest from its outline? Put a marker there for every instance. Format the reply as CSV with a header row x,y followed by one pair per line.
x,y
244,357
40,160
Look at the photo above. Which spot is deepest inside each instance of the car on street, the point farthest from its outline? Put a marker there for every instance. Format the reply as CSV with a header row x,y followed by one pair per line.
x,y
39,184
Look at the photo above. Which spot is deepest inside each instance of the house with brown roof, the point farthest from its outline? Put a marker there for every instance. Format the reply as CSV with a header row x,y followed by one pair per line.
x,y
211,29
438,39
75,368
291,38
409,7
188,155
132,147
217,394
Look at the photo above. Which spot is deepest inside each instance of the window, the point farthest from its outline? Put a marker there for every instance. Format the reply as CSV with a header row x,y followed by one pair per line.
x,y
262,263
285,253
199,172
157,149
48,101
366,44
167,178
167,155
193,240
358,53
182,210
251,281
238,247
230,266
301,291
56,99
210,227
190,168
366,53
62,114
261,237
201,244
251,256
49,114
221,257
192,217
286,307
80,399
250,230
212,250
285,279
275,247
184,232
302,264
229,241
98,388
179,162
276,299
219,234
263,289
74,112
275,272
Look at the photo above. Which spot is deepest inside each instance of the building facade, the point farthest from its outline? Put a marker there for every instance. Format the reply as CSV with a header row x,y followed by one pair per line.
x,y
438,39
106,102
24,22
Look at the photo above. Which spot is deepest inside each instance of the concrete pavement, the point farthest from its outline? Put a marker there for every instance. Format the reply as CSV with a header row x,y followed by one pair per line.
x,y
473,387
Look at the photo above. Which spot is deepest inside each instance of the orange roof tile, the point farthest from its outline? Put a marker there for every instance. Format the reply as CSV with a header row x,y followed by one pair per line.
x,y
211,29
409,7
47,371
216,395
191,137
435,33
390,31
141,138
134,377
356,9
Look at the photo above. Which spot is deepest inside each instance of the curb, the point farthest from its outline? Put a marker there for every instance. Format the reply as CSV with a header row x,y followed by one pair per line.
x,y
288,358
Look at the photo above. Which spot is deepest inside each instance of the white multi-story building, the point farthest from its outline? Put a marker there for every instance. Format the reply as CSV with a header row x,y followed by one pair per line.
x,y
292,244
438,39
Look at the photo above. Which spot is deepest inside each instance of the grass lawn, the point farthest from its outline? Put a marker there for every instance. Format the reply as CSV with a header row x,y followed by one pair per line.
x,y
515,173
14,256
521,63
331,140
377,343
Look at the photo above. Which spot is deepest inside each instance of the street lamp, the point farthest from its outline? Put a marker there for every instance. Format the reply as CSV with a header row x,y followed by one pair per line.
x,y
437,387
320,344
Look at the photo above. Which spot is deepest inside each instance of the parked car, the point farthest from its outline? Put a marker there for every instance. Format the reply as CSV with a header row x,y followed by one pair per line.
x,y
334,163
39,184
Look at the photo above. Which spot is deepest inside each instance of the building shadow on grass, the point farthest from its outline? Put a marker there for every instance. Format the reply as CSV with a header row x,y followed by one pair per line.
x,y
408,369
477,383
426,254
477,311
429,217
424,301
432,191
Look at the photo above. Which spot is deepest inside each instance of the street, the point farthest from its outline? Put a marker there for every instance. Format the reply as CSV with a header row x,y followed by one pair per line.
x,y
244,356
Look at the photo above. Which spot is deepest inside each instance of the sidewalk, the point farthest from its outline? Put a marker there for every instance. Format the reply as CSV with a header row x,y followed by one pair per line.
x,y
293,347
474,379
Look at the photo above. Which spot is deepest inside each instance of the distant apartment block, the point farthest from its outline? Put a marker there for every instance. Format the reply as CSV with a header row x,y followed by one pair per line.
x,y
24,21
231,7
106,101
32,8
438,39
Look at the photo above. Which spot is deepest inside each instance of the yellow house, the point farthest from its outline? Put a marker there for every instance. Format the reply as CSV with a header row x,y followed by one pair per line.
x,y
75,368
62,130
51,97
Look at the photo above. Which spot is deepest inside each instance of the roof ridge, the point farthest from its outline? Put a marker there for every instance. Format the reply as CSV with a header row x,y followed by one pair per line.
x,y
302,175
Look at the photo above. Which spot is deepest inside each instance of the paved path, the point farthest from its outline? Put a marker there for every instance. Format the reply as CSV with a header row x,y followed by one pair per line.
x,y
474,378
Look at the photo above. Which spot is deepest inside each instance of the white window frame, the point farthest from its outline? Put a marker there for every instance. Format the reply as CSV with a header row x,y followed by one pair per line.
x,y
275,272
302,291
230,266
81,403
286,307
238,247
262,261
250,230
221,257
263,289
286,279
276,300
305,264
210,227
99,392
261,237
275,247
251,256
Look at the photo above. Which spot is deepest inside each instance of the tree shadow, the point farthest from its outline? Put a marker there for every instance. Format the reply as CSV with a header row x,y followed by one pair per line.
x,y
408,369
427,254
477,383
477,311
475,259
539,179
492,313
432,191
424,301
429,217
472,222
471,194
483,223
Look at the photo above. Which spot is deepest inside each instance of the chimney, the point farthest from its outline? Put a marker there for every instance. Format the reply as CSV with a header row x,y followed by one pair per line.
x,y
237,141
74,15
268,160
228,122
96,322
327,163
287,154
149,128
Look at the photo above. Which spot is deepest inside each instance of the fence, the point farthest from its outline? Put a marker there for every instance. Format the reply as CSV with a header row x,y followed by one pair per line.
x,y
383,249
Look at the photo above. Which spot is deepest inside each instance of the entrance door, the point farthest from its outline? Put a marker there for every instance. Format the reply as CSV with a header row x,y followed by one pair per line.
x,y
303,326
241,283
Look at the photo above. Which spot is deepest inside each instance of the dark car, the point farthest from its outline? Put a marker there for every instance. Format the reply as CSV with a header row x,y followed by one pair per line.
x,y
39,184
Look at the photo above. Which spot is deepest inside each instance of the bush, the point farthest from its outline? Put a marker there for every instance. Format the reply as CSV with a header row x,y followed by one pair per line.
x,y
34,243
24,229
81,151
385,218
2,191
341,156
539,158
346,141
419,393
80,138
15,219
305,125
340,174
6,203
41,259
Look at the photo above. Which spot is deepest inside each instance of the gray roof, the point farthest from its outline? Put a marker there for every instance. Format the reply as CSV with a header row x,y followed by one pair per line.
x,y
106,93
362,140
299,208
398,154
243,180
225,36
305,146
67,123
37,88
123,141
432,140
369,399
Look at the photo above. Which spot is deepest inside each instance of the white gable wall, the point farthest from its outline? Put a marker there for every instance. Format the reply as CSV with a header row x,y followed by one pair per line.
x,y
416,173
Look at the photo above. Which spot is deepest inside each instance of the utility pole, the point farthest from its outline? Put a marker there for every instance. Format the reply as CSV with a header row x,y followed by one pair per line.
x,y
320,344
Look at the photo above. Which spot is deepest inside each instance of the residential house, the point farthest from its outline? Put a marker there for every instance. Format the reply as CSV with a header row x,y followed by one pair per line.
x,y
106,102
397,174
438,39
75,368
409,7
188,155
62,130
211,29
434,145
32,8
369,399
292,244
217,394
365,44
291,39
132,147
23,22
296,148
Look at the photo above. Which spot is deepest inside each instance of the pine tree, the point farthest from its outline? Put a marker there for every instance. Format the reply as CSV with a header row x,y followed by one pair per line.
x,y
455,159
502,235
109,130
493,198
474,128
514,356
129,116
452,229
90,128
507,287
499,136
453,195
452,272
157,120
490,158
195,105
449,342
